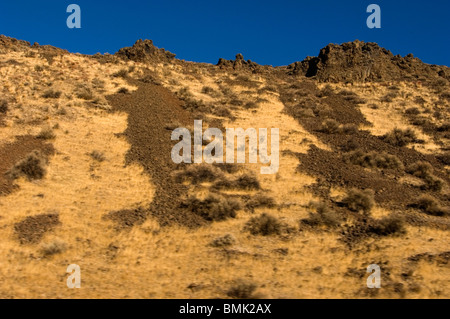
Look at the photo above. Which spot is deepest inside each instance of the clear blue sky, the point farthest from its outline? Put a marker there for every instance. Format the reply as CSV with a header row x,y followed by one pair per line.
x,y
276,32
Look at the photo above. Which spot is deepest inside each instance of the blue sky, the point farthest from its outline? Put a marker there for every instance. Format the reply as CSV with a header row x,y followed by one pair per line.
x,y
268,32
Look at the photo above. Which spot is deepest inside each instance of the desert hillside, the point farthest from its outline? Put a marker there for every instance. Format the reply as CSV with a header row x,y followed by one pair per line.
x,y
87,178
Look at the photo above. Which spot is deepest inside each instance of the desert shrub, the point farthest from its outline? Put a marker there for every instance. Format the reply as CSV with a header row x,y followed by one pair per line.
x,y
386,226
247,182
236,102
38,68
209,91
259,200
51,94
98,84
267,88
438,114
389,97
440,82
412,111
199,173
398,137
419,121
351,145
243,182
430,206
123,73
3,106
251,105
226,91
46,133
424,170
192,105
347,93
222,111
84,93
433,183
393,88
148,78
444,158
322,110
359,200
419,100
322,217
420,169
242,290
445,96
30,54
213,208
374,160
349,129
264,225
330,126
123,90
33,166
223,183
53,248
101,102
326,91
97,156
355,99
229,168
444,127
224,241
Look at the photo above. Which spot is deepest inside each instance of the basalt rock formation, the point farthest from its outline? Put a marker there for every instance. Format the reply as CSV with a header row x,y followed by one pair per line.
x,y
145,51
360,62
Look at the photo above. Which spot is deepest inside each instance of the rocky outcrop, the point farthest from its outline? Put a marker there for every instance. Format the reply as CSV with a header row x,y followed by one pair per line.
x,y
360,62
240,64
13,44
145,51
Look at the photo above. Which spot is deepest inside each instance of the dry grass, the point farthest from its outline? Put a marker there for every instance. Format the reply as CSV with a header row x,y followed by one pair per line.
x,y
150,261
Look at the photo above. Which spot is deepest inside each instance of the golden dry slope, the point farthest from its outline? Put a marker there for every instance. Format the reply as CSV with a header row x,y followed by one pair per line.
x,y
149,261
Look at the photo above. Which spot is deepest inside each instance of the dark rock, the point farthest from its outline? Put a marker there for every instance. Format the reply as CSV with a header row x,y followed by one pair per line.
x,y
145,51
362,62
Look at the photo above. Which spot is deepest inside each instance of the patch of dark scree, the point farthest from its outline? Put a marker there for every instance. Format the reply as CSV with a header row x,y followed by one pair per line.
x,y
33,228
331,169
150,110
